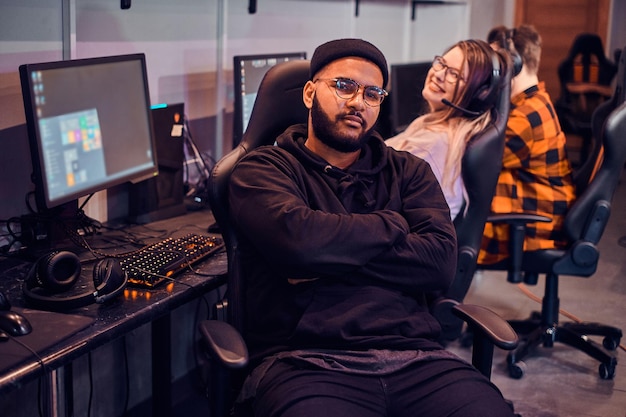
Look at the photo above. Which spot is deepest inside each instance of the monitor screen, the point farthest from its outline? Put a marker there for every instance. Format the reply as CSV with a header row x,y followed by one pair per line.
x,y
248,72
89,125
407,82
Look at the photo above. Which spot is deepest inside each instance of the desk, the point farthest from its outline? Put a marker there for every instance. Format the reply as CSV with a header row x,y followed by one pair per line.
x,y
137,307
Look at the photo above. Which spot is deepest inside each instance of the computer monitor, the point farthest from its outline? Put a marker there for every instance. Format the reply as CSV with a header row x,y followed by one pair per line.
x,y
89,126
407,103
248,71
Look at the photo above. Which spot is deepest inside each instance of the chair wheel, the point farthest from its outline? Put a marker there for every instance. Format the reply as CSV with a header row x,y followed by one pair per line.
x,y
610,343
607,370
517,369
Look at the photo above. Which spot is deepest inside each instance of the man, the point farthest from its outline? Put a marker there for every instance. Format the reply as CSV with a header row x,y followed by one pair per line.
x,y
536,174
341,238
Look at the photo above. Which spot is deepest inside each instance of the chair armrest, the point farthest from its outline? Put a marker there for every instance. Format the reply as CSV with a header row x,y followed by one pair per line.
x,y
224,344
517,218
586,88
488,330
517,232
480,319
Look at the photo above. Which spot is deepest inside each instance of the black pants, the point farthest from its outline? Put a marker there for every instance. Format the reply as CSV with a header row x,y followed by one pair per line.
x,y
437,388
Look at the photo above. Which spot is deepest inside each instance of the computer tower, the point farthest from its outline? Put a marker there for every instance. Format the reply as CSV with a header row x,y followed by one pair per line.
x,y
162,197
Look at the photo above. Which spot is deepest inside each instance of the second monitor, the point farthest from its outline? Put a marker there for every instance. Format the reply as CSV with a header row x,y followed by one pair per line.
x,y
407,103
248,72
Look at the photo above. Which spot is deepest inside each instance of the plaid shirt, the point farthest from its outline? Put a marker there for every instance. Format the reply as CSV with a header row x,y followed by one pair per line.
x,y
536,176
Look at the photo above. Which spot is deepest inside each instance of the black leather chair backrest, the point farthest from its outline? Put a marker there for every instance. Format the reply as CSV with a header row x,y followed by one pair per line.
x,y
481,166
608,130
480,169
278,105
583,175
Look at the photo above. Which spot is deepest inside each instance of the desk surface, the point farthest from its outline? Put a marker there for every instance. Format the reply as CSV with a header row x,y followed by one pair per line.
x,y
135,308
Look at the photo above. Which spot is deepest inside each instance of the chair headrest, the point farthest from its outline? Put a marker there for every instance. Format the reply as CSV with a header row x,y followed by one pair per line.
x,y
587,43
278,104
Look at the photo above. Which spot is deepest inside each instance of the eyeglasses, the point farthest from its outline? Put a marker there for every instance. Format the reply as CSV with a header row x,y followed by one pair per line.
x,y
452,75
346,89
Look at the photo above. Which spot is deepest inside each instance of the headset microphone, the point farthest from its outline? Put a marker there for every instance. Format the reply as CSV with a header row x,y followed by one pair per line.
x,y
466,111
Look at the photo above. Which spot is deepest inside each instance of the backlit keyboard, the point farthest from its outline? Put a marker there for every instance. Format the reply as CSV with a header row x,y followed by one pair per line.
x,y
160,261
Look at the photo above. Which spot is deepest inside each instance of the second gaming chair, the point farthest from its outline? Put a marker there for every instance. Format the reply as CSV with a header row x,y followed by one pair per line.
x,y
585,76
277,106
481,166
584,225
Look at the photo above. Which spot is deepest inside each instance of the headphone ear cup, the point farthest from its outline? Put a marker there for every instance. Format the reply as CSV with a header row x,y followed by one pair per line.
x,y
56,272
517,63
482,94
516,58
109,280
485,97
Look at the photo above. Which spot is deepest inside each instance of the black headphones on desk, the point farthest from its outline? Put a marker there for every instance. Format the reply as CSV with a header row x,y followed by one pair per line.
x,y
57,272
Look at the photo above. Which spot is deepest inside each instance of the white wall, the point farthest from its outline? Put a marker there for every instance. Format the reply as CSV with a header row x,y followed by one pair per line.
x,y
617,28
184,48
484,14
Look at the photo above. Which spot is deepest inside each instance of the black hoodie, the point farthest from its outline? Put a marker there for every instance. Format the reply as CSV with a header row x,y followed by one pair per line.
x,y
340,259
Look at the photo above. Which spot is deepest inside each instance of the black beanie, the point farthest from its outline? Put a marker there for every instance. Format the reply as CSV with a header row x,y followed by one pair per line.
x,y
342,48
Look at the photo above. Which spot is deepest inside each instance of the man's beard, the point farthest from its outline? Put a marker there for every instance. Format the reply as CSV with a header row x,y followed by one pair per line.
x,y
329,133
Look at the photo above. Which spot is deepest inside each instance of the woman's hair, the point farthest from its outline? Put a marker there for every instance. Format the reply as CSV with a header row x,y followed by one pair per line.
x,y
461,127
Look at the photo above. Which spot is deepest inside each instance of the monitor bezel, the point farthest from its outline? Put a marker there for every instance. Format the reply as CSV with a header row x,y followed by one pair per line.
x,y
42,193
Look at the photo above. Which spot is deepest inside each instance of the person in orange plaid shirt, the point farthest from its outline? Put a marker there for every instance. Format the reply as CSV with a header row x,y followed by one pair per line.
x,y
536,175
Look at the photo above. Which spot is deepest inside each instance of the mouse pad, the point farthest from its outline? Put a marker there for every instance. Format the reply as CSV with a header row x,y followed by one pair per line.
x,y
48,329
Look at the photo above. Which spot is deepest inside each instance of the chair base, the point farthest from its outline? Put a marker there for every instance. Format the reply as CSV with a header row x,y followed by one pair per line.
x,y
534,332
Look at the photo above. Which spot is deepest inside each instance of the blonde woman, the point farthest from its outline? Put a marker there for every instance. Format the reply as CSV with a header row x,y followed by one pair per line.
x,y
461,88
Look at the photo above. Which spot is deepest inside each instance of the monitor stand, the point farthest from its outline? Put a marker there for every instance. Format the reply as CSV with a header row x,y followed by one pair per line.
x,y
50,229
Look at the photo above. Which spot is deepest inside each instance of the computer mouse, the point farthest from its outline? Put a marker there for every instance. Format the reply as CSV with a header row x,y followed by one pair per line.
x,y
14,323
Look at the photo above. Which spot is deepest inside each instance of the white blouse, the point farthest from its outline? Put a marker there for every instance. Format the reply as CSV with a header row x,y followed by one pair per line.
x,y
433,148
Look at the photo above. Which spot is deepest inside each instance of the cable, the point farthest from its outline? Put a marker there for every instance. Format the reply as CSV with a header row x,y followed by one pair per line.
x,y
90,384
82,206
127,371
12,237
43,367
190,142
35,227
563,312
202,381
39,399
197,190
